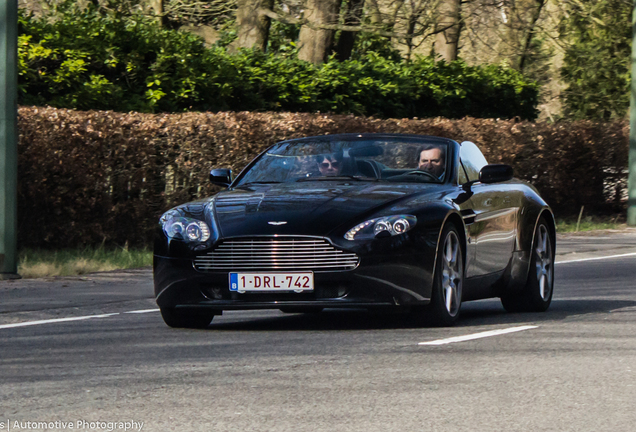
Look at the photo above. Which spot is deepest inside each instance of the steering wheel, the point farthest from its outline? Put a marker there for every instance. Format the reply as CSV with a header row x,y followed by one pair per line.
x,y
424,173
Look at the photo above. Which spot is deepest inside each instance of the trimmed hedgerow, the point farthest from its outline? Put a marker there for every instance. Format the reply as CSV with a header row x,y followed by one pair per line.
x,y
90,177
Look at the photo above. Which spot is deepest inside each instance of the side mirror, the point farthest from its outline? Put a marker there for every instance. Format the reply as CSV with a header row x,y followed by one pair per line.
x,y
221,177
495,173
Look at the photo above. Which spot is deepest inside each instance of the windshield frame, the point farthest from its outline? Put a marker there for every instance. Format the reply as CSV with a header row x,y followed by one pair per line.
x,y
451,149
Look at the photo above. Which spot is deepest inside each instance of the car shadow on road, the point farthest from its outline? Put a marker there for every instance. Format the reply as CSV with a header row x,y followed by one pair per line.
x,y
489,312
480,313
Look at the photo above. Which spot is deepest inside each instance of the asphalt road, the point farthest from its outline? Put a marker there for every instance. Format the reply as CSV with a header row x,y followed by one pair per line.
x,y
569,369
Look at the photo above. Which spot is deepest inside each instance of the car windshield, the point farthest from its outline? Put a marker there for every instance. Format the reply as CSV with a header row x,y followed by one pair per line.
x,y
324,159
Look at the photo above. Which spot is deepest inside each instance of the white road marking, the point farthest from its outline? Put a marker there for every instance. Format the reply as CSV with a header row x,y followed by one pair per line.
x,y
478,335
56,320
143,311
624,309
586,237
597,258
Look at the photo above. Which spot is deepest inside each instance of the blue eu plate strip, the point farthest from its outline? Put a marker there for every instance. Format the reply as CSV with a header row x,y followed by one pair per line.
x,y
233,281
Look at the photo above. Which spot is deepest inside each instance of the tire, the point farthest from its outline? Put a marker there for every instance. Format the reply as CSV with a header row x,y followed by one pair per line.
x,y
187,318
448,282
536,295
302,309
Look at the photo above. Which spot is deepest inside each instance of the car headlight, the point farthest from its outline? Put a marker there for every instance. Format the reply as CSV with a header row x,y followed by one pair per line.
x,y
183,228
381,227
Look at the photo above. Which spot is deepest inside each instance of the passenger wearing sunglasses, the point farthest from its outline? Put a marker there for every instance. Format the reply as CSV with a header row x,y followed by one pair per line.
x,y
330,165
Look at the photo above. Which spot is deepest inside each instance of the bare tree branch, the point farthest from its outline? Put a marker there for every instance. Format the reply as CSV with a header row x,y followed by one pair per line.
x,y
288,19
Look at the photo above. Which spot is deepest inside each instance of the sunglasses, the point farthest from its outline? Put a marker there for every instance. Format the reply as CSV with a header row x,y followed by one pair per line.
x,y
326,165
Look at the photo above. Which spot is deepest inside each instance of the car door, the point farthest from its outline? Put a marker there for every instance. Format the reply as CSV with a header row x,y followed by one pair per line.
x,y
493,223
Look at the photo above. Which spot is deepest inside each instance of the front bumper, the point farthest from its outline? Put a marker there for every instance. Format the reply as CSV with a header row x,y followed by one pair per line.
x,y
378,281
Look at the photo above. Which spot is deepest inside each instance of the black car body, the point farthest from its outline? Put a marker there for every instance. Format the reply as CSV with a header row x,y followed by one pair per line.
x,y
381,233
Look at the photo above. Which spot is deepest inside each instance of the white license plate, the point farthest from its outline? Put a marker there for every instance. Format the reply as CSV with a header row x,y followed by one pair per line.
x,y
250,282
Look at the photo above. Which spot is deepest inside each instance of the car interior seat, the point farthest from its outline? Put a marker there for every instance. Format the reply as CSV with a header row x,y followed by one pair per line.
x,y
367,168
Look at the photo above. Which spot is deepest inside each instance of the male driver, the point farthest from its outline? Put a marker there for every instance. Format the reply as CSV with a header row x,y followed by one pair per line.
x,y
432,160
329,165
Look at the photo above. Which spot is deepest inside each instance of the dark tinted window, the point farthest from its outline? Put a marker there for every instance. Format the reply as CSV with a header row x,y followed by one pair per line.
x,y
472,159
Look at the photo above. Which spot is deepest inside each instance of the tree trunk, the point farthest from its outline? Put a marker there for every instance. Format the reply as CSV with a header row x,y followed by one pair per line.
x,y
316,44
346,40
446,41
253,27
526,49
397,6
375,15
157,7
409,40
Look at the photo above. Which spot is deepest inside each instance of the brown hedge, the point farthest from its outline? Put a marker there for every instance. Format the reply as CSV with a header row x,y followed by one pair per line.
x,y
101,176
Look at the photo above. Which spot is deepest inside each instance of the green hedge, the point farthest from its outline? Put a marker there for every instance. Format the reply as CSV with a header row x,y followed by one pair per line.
x,y
91,61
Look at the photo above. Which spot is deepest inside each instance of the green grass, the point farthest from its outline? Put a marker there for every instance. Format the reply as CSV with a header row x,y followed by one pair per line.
x,y
35,263
590,223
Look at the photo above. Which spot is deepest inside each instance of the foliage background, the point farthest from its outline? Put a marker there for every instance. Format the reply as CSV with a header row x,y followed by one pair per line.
x,y
129,63
576,50
596,65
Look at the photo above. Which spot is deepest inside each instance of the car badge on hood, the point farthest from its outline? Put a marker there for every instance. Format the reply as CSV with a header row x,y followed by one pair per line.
x,y
277,223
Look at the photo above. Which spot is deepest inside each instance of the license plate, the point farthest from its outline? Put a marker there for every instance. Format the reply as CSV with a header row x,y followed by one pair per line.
x,y
250,282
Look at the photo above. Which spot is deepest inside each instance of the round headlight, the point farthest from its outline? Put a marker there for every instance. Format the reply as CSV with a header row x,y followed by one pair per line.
x,y
401,226
381,227
187,229
176,229
385,226
193,231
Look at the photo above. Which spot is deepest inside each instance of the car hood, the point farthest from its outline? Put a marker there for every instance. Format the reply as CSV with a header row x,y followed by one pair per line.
x,y
315,208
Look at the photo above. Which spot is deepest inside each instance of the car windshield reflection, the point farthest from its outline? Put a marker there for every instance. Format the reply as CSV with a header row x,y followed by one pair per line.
x,y
390,160
339,177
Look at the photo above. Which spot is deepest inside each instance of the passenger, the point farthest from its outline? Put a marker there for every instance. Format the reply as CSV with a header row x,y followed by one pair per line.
x,y
330,165
432,159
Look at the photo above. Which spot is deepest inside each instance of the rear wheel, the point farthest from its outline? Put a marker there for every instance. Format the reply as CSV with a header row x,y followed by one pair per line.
x,y
187,318
536,296
446,296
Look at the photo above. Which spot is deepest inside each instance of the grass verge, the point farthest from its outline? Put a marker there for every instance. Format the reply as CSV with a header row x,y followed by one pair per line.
x,y
36,263
590,223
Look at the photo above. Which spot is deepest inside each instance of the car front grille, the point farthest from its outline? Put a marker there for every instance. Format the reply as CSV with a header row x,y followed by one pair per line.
x,y
279,254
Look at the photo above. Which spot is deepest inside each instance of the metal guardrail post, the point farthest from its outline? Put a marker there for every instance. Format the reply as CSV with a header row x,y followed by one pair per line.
x,y
8,138
631,204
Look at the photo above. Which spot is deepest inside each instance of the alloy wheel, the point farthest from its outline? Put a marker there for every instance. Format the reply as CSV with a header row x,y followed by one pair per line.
x,y
544,262
452,273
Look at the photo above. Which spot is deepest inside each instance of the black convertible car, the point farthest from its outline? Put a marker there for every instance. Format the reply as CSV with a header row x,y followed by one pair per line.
x,y
357,221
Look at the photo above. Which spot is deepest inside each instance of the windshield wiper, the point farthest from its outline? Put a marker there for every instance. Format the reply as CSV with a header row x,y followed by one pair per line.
x,y
337,178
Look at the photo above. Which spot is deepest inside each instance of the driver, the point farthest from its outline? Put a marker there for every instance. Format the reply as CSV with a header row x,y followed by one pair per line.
x,y
432,159
330,165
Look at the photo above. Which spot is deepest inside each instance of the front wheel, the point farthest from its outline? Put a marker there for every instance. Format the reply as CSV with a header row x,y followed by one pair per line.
x,y
186,318
536,296
446,296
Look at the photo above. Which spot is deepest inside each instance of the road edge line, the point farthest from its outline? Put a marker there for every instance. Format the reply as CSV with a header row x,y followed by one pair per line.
x,y
480,335
55,320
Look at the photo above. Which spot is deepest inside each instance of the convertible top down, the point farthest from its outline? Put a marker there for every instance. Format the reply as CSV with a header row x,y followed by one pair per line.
x,y
414,222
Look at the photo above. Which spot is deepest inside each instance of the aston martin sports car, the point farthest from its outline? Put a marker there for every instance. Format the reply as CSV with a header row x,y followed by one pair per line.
x,y
409,223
